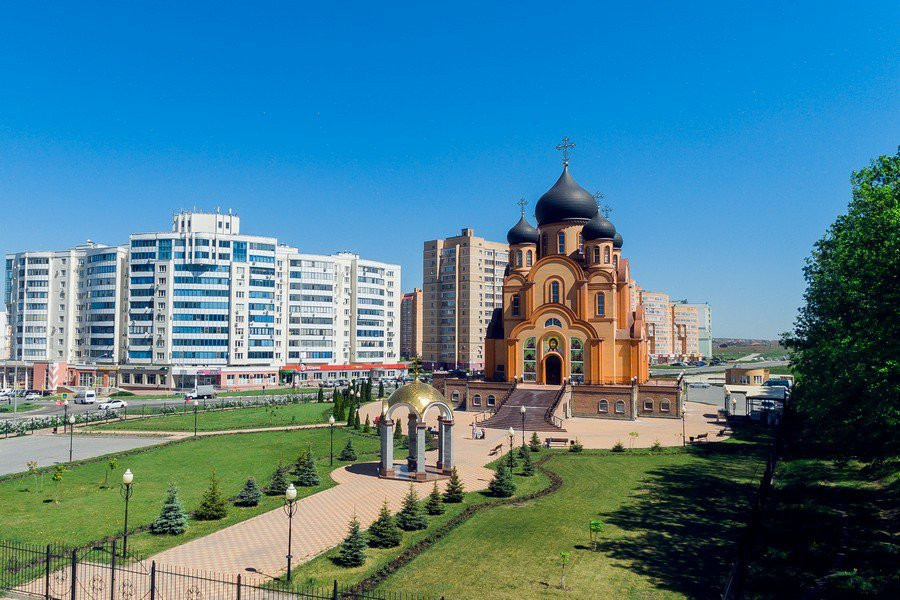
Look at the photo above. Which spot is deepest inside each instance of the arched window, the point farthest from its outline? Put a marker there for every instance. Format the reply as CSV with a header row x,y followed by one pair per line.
x,y
580,243
476,400
518,258
455,396
561,242
552,322
529,359
528,259
515,305
648,404
544,244
491,401
620,407
601,304
616,261
606,255
664,406
596,254
554,291
603,406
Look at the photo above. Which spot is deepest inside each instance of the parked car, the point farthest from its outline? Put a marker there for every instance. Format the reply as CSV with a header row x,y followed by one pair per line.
x,y
699,384
33,395
85,397
112,405
701,364
778,383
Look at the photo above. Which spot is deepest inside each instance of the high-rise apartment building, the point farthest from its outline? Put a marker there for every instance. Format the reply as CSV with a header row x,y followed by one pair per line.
x,y
411,323
463,283
676,330
4,336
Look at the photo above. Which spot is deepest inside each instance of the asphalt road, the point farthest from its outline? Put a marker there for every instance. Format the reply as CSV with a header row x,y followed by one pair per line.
x,y
49,450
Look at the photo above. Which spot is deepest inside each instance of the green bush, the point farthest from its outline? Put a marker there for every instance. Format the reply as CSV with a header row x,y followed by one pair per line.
x,y
349,452
502,485
212,507
434,506
352,552
250,495
618,447
279,482
535,442
410,517
305,470
527,465
454,492
384,533
576,446
656,447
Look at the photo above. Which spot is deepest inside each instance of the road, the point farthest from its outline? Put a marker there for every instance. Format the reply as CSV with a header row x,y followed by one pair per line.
x,y
721,368
50,449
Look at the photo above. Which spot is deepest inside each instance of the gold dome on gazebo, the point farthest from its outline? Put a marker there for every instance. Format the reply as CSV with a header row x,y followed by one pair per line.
x,y
418,396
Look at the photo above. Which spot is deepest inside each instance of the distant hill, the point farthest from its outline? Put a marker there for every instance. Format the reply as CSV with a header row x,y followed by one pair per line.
x,y
739,347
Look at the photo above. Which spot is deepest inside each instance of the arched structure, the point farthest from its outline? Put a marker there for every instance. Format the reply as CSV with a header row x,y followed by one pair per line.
x,y
418,398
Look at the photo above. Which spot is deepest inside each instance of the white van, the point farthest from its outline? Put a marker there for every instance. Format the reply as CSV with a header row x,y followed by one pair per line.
x,y
85,397
201,391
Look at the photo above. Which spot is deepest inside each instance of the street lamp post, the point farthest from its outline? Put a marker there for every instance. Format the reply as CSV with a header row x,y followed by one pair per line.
x,y
71,432
683,441
65,414
523,411
125,490
195,418
512,434
290,508
331,428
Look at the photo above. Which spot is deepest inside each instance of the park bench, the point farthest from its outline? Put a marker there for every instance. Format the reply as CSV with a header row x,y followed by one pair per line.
x,y
496,449
703,437
554,441
722,432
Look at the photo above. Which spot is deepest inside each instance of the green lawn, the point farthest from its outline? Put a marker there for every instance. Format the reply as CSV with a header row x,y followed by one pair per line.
x,y
22,407
769,350
671,524
224,420
269,392
87,511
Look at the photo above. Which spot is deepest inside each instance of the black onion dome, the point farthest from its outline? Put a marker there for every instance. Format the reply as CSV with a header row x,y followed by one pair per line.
x,y
617,240
522,233
599,228
565,201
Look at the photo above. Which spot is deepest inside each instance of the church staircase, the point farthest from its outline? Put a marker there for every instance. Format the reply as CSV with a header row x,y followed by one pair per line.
x,y
537,401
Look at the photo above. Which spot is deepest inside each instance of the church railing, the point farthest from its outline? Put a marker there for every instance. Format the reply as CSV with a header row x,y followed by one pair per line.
x,y
509,392
548,416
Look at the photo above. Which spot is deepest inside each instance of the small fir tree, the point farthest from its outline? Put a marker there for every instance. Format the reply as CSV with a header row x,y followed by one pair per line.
x,y
434,506
352,552
305,470
523,450
356,424
351,415
338,410
349,452
279,482
576,446
367,427
656,447
410,517
511,459
527,465
250,494
320,396
381,388
535,442
212,507
384,532
502,485
618,447
454,492
172,520
398,431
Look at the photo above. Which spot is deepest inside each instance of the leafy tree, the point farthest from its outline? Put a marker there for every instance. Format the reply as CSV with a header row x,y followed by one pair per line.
x,y
535,442
305,470
57,478
212,507
111,466
596,528
846,340
32,466
384,533
633,435
352,552
351,415
410,517
618,447
527,464
349,452
172,520
279,482
502,485
320,396
338,410
454,491
434,504
250,494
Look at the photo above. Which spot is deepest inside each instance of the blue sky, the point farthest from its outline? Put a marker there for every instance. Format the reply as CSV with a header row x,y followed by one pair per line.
x,y
723,134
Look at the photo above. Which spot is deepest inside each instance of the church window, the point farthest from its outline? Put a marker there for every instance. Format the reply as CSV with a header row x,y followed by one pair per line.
x,y
515,305
528,258
476,400
519,258
616,262
561,242
554,291
544,244
491,400
664,406
552,322
580,243
601,304
606,255
529,356
455,396
603,406
648,405
596,254
620,407
576,356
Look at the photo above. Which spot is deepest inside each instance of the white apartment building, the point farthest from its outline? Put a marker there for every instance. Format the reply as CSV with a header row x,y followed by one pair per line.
x,y
4,336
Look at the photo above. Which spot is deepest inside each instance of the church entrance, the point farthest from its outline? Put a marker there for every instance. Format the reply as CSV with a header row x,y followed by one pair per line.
x,y
553,370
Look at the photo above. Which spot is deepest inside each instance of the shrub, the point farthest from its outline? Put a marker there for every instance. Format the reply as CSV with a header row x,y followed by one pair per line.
x,y
279,482
502,485
576,446
305,470
454,492
356,424
349,452
434,506
618,447
511,459
320,395
398,431
384,532
656,447
410,517
352,552
212,507
367,426
535,442
527,465
250,495
172,520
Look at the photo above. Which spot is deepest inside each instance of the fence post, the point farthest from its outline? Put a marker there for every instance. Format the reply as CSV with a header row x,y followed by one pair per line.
x,y
153,580
74,565
112,573
47,574
334,594
239,587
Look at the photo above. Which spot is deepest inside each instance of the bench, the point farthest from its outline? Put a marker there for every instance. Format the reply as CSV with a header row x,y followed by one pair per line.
x,y
722,432
703,437
553,441
496,449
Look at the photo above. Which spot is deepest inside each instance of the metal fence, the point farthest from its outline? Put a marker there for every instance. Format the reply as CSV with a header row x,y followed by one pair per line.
x,y
101,573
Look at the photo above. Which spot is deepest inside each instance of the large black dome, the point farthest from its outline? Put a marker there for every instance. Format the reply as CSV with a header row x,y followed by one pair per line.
x,y
565,201
598,228
617,240
522,233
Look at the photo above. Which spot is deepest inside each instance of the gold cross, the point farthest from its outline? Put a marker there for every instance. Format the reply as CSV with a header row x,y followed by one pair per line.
x,y
564,146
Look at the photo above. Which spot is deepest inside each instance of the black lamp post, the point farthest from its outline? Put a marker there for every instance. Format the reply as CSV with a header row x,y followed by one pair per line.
x,y
126,491
523,411
195,418
290,509
71,432
683,440
65,414
512,434
331,428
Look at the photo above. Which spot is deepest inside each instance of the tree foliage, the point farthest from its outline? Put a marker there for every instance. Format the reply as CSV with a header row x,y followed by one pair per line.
x,y
454,492
502,485
250,494
172,520
305,470
279,482
434,505
384,533
349,452
410,517
212,507
846,340
353,549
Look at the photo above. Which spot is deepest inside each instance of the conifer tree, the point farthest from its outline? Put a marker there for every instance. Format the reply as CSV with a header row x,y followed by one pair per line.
x,y
511,460
367,427
250,495
351,414
410,517
349,452
305,470
384,533
279,481
434,506
212,507
535,442
502,485
320,396
398,430
356,423
454,492
523,450
172,520
381,388
352,552
338,410
527,464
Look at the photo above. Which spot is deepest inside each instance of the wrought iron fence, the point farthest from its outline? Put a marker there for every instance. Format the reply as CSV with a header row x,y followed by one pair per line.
x,y
102,573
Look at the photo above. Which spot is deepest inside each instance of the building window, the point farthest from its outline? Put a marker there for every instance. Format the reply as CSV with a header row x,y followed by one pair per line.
x,y
529,356
580,244
561,242
552,322
616,262
648,405
528,258
518,258
596,254
576,362
606,255
664,406
515,305
620,407
491,400
544,244
554,291
476,400
601,304
454,396
603,406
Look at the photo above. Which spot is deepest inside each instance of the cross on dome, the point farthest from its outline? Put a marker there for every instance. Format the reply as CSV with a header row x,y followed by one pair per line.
x,y
564,146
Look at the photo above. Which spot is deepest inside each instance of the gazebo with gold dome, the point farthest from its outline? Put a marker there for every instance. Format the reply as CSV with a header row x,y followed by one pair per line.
x,y
419,398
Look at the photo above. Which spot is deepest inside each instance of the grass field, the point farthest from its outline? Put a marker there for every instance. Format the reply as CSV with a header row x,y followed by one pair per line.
x,y
87,511
22,407
769,350
671,522
229,419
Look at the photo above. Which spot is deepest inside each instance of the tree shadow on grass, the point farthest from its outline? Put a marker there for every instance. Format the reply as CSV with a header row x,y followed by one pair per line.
x,y
684,521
